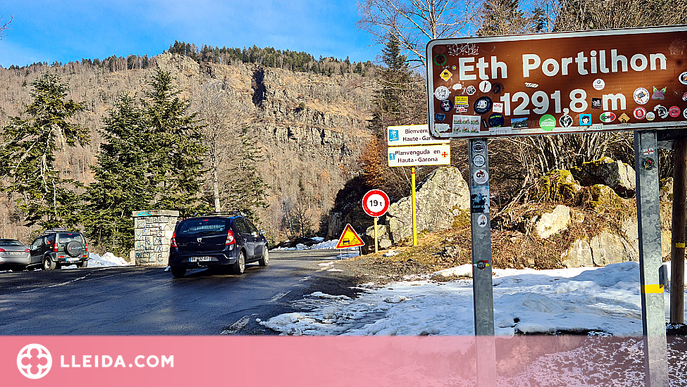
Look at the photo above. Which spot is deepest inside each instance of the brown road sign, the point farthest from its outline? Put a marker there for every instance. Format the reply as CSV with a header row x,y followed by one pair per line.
x,y
575,82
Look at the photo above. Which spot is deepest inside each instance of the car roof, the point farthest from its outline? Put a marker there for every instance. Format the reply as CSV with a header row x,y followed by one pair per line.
x,y
57,231
214,217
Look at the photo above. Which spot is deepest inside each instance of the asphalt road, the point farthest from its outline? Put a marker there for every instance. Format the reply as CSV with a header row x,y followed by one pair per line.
x,y
149,301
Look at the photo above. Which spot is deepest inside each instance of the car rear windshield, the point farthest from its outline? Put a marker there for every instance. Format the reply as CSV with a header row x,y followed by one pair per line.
x,y
10,242
202,226
69,237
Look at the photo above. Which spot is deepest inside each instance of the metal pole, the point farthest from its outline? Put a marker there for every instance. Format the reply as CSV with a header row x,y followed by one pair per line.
x,y
483,294
650,260
481,238
414,208
677,267
376,244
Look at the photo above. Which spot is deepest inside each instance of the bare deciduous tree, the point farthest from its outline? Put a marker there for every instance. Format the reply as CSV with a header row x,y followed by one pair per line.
x,y
223,118
576,15
5,26
415,22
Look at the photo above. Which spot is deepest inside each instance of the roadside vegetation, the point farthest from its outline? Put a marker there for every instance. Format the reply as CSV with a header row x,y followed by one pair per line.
x,y
84,156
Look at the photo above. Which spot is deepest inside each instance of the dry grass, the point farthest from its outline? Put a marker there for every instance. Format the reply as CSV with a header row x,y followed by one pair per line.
x,y
513,243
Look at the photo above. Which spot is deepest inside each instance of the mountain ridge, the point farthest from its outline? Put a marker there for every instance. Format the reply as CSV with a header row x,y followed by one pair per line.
x,y
311,128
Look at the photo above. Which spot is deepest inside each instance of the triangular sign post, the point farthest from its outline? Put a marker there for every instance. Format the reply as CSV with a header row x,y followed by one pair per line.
x,y
349,238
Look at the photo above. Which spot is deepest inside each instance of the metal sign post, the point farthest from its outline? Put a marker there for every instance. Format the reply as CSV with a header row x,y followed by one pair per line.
x,y
481,238
483,294
649,220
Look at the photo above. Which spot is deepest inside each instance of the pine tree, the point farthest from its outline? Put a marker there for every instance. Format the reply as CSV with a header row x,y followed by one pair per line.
x,y
503,17
174,147
391,102
28,154
120,181
151,159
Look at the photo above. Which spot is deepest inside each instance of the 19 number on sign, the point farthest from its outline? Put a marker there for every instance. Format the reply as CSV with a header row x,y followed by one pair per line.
x,y
375,203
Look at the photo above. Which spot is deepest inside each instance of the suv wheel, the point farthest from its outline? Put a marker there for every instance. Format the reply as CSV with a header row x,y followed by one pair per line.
x,y
178,272
240,265
48,263
265,260
82,264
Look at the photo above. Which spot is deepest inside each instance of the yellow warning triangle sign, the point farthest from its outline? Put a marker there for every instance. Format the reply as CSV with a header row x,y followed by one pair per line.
x,y
349,238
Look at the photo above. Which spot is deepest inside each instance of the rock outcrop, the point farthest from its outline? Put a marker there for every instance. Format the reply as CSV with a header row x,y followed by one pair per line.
x,y
440,197
551,223
383,238
617,175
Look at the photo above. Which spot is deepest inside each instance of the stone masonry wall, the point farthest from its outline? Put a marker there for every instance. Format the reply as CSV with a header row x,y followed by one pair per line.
x,y
153,230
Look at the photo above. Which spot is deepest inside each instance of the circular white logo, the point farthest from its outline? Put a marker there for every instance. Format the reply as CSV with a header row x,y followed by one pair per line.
x,y
34,361
481,176
599,84
482,220
442,92
641,95
485,86
478,160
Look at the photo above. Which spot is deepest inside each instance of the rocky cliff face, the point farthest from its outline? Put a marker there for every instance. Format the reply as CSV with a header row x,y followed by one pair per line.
x,y
311,128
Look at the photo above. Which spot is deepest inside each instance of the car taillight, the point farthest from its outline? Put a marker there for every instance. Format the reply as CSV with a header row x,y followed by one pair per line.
x,y
173,242
27,250
230,238
56,246
2,250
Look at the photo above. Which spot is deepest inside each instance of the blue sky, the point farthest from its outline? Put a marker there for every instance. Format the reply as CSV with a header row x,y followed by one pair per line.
x,y
65,31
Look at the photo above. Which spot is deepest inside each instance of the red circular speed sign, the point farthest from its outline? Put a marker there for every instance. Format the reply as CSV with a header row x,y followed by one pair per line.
x,y
375,203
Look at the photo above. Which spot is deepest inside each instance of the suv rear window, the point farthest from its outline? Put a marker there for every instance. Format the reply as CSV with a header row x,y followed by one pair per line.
x,y
202,226
69,237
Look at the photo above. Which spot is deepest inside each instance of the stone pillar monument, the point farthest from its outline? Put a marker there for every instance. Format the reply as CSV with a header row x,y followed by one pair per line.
x,y
153,230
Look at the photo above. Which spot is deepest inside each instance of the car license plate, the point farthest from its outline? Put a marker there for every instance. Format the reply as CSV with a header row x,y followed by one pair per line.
x,y
72,259
15,252
199,259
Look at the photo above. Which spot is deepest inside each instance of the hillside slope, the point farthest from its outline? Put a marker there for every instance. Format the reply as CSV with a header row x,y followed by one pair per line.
x,y
310,128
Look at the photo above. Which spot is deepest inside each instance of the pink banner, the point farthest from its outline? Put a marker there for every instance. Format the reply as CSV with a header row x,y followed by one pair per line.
x,y
317,361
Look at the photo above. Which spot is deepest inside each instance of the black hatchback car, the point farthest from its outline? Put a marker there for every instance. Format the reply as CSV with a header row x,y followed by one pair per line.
x,y
58,247
216,241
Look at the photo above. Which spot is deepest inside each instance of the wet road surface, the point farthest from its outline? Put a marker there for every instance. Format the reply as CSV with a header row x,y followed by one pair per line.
x,y
149,301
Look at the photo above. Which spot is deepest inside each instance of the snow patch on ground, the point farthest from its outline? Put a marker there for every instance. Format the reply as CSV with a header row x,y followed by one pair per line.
x,y
604,300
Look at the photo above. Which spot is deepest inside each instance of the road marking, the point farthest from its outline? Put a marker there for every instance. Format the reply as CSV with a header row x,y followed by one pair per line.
x,y
67,283
278,296
237,326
